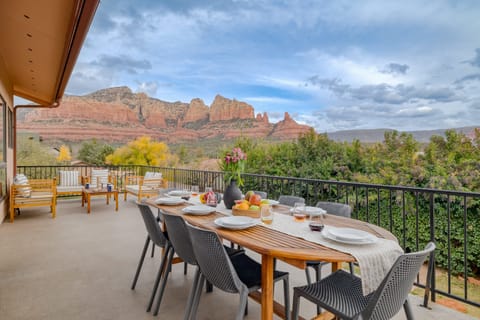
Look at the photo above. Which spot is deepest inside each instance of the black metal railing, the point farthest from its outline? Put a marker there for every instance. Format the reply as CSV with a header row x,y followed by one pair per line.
x,y
414,215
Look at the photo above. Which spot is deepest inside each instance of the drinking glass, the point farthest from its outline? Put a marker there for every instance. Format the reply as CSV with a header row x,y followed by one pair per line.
x,y
299,213
266,214
194,190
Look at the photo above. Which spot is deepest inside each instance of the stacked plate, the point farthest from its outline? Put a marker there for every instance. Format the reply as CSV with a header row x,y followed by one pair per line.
x,y
272,202
313,210
169,201
349,236
236,222
199,210
178,193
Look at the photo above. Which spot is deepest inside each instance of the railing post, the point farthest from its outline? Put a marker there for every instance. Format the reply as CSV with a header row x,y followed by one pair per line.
x,y
430,283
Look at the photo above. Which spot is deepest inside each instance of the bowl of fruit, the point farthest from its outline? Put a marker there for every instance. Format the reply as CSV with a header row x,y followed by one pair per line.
x,y
249,206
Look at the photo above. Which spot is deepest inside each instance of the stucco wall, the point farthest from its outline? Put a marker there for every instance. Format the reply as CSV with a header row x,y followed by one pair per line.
x,y
6,91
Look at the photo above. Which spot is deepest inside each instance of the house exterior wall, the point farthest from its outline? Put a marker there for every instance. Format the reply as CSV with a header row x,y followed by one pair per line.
x,y
6,91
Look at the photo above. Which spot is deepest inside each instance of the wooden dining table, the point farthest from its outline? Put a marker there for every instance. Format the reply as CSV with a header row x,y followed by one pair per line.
x,y
272,244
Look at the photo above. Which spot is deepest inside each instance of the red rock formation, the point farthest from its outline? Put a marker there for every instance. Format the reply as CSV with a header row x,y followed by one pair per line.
x,y
197,111
288,128
225,109
118,115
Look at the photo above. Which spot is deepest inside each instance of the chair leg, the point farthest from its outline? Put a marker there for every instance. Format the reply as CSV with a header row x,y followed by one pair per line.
x,y
408,310
318,276
197,295
153,251
140,263
161,270
209,287
191,295
307,275
185,268
243,304
350,266
286,297
161,290
296,304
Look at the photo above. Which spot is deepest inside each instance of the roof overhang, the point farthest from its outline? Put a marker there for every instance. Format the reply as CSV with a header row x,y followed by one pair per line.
x,y
40,42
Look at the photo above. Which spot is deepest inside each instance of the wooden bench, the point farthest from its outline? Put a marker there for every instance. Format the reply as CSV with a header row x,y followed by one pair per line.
x,y
35,193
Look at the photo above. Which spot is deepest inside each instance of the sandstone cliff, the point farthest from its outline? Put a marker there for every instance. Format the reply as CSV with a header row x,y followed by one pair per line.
x,y
119,115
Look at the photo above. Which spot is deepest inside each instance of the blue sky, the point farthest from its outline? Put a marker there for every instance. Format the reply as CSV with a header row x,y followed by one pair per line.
x,y
334,65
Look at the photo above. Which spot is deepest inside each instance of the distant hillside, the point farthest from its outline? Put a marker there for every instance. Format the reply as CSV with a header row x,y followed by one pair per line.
x,y
118,115
377,135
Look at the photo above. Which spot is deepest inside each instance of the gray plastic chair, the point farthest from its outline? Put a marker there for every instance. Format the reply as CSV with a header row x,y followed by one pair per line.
x,y
341,292
180,239
262,194
333,208
239,274
158,238
290,200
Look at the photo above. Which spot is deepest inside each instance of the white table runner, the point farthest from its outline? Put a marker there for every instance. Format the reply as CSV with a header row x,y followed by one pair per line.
x,y
375,260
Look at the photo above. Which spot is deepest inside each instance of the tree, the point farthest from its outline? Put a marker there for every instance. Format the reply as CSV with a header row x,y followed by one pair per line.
x,y
31,152
93,152
64,154
142,151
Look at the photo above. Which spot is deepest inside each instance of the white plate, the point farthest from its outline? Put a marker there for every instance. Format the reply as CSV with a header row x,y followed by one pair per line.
x,y
169,201
220,223
349,234
312,210
178,193
236,221
272,202
326,232
199,210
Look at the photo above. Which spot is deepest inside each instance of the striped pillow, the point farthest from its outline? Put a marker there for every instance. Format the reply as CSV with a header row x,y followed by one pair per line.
x,y
69,178
99,176
21,180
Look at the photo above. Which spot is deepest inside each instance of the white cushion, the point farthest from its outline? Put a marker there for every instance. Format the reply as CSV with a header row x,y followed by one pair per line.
x,y
70,188
152,175
69,178
36,196
136,189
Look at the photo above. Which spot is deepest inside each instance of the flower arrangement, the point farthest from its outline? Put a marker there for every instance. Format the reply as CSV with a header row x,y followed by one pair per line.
x,y
233,165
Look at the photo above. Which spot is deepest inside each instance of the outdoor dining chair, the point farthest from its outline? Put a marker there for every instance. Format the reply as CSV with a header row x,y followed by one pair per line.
x,y
262,194
341,292
336,209
180,240
160,239
290,200
237,274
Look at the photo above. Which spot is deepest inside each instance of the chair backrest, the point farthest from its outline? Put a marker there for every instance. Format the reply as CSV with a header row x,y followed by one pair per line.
x,y
390,296
213,260
99,176
153,228
69,178
179,237
262,194
335,208
290,200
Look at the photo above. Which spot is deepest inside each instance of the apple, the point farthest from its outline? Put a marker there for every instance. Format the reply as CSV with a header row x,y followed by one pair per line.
x,y
255,199
248,195
265,201
254,207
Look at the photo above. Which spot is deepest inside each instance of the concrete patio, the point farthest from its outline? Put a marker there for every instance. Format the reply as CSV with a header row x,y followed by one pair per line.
x,y
80,266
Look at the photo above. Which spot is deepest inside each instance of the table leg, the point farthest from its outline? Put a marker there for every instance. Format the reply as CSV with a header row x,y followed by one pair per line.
x,y
267,287
116,200
108,198
83,199
336,266
88,203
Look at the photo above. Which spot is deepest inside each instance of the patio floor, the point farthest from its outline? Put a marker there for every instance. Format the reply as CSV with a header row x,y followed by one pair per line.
x,y
80,266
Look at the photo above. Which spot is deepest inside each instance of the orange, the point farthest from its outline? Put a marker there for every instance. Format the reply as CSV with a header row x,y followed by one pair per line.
x,y
242,206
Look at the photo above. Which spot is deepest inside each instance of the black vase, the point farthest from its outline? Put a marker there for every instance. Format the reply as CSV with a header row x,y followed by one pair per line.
x,y
231,194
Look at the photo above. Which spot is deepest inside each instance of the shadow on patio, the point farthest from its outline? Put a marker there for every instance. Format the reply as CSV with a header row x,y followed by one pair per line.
x,y
80,266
